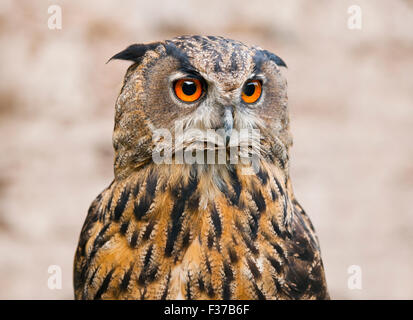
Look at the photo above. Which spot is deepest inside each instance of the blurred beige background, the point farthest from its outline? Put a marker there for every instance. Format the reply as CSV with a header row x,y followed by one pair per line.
x,y
351,94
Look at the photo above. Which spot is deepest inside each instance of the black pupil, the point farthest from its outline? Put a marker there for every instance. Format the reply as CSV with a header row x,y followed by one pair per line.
x,y
249,89
189,88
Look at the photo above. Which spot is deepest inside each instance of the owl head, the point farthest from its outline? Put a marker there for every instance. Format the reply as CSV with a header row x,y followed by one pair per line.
x,y
193,86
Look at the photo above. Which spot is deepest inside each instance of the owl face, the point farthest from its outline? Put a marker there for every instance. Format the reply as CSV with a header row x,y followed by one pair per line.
x,y
203,91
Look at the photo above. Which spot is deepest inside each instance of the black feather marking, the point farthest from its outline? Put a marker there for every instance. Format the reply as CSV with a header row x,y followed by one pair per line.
x,y
232,255
143,293
93,275
201,284
213,38
148,274
234,66
185,239
177,211
216,221
134,239
193,202
236,185
148,256
191,186
254,269
258,292
217,67
283,196
99,241
165,292
259,200
136,189
253,223
247,240
263,175
275,264
273,194
146,200
148,231
124,227
208,265
151,183
105,284
151,274
210,240
141,209
226,284
226,290
126,279
188,287
174,51
108,207
224,189
279,250
121,204
276,228
91,218
277,285
255,216
210,290
80,278
228,272
174,230
109,203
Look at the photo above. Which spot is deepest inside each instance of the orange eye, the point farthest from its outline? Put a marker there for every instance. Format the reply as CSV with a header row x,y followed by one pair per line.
x,y
252,91
188,90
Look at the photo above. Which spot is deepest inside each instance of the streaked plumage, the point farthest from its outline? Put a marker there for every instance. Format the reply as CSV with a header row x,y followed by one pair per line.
x,y
198,231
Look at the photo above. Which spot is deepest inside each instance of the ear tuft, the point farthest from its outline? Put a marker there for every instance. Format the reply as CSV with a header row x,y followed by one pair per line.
x,y
273,57
134,52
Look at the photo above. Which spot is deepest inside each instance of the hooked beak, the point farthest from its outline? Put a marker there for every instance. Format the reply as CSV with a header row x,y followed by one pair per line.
x,y
228,123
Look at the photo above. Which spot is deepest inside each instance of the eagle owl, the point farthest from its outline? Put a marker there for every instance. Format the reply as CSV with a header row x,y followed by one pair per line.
x,y
200,229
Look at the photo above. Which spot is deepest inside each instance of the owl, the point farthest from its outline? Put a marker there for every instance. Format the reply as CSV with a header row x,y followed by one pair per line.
x,y
201,205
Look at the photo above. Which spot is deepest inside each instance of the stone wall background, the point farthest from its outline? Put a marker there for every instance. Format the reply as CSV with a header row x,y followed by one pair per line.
x,y
351,107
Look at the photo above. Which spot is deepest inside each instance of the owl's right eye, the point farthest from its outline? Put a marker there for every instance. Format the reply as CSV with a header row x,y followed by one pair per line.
x,y
188,89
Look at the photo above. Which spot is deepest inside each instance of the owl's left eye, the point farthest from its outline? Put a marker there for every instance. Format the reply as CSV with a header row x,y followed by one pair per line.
x,y
252,91
188,90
